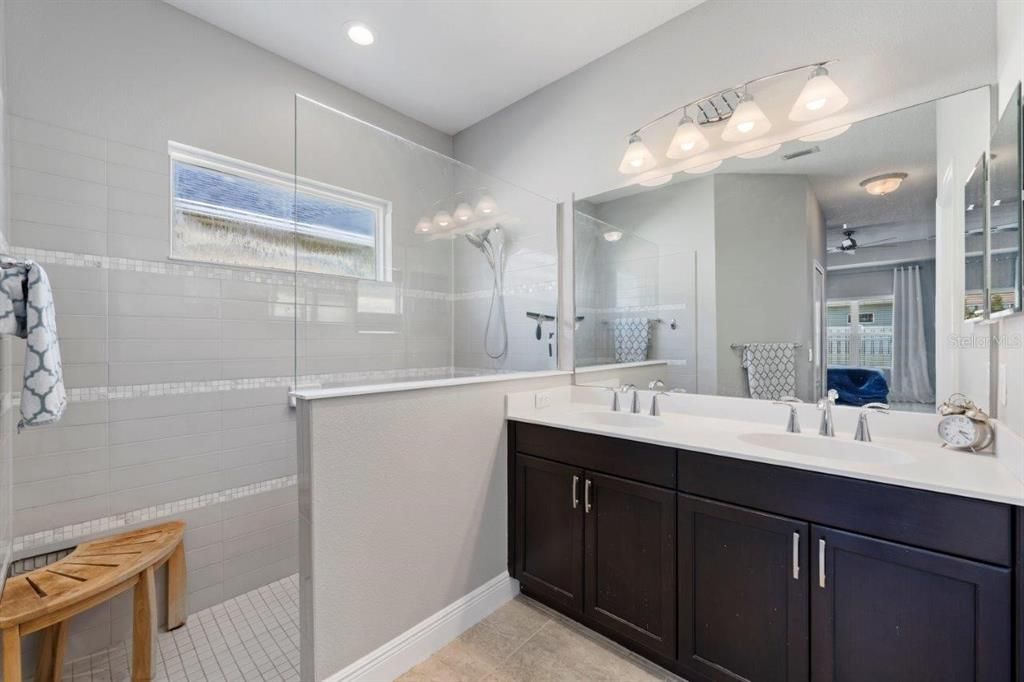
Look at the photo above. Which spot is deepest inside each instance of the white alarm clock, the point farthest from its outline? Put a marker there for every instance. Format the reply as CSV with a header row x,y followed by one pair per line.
x,y
964,425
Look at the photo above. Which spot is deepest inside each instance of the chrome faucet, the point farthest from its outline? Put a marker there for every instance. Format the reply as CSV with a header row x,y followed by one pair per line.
x,y
863,432
655,410
825,405
617,402
793,424
656,385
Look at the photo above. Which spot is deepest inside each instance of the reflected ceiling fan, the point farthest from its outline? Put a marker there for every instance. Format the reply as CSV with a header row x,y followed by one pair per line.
x,y
850,245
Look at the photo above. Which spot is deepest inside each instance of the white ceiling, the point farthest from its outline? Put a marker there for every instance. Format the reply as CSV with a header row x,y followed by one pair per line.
x,y
446,63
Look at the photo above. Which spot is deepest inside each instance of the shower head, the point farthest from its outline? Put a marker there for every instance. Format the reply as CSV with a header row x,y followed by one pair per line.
x,y
479,240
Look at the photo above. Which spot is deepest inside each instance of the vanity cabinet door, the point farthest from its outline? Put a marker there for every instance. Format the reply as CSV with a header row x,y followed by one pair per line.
x,y
743,581
630,561
884,611
549,531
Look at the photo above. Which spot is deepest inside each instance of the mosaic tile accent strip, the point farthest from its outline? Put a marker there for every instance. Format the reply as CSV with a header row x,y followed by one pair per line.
x,y
29,564
251,638
660,308
104,524
186,269
128,392
526,289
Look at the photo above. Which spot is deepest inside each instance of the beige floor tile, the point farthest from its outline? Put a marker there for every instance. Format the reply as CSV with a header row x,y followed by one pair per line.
x,y
518,619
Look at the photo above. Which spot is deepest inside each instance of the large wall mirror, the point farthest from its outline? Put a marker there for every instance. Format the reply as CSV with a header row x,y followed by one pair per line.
x,y
787,272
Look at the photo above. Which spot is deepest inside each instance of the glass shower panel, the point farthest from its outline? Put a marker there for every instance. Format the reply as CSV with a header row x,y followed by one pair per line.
x,y
622,276
445,262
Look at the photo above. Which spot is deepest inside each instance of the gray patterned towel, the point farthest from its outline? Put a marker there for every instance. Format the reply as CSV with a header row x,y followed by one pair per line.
x,y
26,311
632,336
771,370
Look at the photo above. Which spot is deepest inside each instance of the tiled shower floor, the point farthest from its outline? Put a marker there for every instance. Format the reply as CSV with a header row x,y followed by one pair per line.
x,y
253,637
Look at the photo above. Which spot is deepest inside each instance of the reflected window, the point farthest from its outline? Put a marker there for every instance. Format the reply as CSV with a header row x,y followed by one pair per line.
x,y
866,343
231,212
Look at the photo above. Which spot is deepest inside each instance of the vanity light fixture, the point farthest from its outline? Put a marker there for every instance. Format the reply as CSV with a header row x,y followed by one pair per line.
x,y
359,33
747,122
487,206
825,134
820,97
612,235
657,181
638,158
880,185
758,153
743,118
424,226
703,168
463,213
442,220
687,141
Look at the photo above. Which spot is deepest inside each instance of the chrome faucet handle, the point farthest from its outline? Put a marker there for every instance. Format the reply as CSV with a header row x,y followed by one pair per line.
x,y
655,410
656,385
793,423
617,401
827,427
863,432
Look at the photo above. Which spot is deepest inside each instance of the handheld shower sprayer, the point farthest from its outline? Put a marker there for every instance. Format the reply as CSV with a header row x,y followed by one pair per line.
x,y
491,242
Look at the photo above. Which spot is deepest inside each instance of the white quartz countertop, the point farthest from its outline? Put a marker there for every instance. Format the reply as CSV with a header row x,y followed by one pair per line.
x,y
706,424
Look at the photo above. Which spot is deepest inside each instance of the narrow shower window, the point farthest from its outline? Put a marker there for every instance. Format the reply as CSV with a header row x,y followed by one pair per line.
x,y
231,212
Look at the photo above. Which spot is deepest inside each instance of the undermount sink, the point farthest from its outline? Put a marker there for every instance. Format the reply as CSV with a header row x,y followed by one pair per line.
x,y
827,448
624,419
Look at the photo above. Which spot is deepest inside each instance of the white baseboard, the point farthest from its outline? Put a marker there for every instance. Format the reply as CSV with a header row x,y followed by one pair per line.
x,y
423,639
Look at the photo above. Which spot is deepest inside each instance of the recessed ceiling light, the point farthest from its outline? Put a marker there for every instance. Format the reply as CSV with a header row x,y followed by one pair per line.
x,y
359,33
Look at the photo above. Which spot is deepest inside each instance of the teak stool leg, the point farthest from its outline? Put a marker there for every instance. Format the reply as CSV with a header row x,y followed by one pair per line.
x,y
51,653
12,653
176,588
143,627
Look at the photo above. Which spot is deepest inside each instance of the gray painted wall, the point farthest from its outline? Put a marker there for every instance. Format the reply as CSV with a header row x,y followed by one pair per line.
x,y
768,232
444,534
6,414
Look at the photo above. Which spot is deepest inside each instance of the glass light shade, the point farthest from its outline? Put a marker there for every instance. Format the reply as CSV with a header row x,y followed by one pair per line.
x,y
638,157
687,141
486,206
820,97
704,168
424,226
657,181
463,213
880,185
442,220
758,153
825,134
747,122
359,33
612,235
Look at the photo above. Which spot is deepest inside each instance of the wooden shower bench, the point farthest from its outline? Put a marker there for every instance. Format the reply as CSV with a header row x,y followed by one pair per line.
x,y
94,572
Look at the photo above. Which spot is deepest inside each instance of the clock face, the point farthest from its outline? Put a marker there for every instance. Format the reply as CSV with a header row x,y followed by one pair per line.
x,y
958,431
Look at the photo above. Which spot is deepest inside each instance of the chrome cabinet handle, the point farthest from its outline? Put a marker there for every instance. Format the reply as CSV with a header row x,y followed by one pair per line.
x,y
796,556
575,492
586,496
821,563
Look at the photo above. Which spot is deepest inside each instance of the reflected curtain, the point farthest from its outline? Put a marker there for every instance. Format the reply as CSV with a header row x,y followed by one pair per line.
x,y
910,381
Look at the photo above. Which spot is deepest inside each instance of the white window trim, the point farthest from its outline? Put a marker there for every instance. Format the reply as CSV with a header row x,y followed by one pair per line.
x,y
183,153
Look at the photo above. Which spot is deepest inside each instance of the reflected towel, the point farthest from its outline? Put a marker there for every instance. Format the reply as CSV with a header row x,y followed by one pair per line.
x,y
632,337
771,370
26,311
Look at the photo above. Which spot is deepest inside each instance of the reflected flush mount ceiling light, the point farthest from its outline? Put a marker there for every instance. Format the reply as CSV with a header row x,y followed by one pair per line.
x,y
359,33
880,185
742,116
612,235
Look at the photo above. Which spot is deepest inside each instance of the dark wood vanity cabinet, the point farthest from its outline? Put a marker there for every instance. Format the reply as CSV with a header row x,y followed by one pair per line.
x,y
725,570
743,593
886,611
630,561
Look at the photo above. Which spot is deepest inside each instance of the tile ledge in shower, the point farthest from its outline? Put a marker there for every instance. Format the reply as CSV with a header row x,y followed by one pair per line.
x,y
345,391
